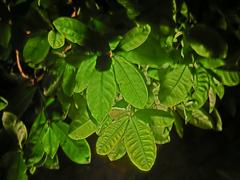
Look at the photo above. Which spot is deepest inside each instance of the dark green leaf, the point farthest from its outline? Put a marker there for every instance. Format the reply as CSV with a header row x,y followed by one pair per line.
x,y
36,49
69,76
5,34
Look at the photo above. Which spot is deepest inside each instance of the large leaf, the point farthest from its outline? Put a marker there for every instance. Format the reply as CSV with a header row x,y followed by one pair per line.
x,y
101,93
149,53
68,83
118,152
228,77
201,88
207,42
36,49
50,142
55,39
175,86
76,150
140,144
3,103
72,29
131,83
135,37
111,136
84,73
159,121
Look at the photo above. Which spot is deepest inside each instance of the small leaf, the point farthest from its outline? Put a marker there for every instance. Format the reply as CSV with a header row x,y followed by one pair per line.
x,y
55,39
218,120
201,119
36,49
135,37
84,73
50,142
200,94
140,144
101,93
206,42
76,150
3,103
68,83
118,152
72,29
212,99
179,125
111,136
52,163
175,86
131,83
228,77
159,121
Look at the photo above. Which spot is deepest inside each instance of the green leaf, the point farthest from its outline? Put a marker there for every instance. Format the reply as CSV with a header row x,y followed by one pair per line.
x,y
50,142
131,83
135,37
206,42
84,73
55,39
179,125
149,53
17,169
212,63
175,86
72,29
218,120
5,34
69,76
159,121
3,103
101,93
82,126
228,77
118,152
201,119
201,88
111,136
103,125
140,144
76,150
36,49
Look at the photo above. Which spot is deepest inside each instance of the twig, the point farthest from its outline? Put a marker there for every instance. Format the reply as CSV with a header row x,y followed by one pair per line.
x,y
23,74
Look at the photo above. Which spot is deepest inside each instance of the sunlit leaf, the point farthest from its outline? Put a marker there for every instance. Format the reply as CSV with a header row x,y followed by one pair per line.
x,y
228,77
135,37
111,136
201,119
175,86
3,103
72,29
118,152
55,39
101,93
140,144
159,121
68,83
131,83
